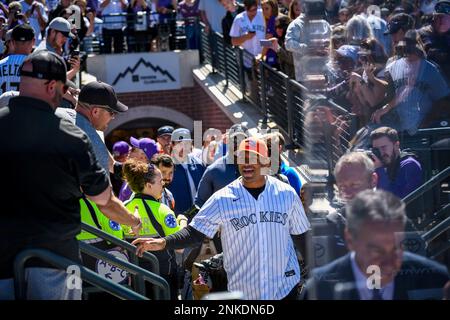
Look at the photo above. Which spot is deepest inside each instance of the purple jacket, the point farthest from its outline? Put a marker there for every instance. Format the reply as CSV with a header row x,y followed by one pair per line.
x,y
408,178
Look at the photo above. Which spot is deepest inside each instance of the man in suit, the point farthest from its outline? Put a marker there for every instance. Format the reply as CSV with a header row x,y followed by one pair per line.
x,y
377,268
188,170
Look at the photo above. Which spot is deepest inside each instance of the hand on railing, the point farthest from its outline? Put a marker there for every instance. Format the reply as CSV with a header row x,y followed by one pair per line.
x,y
148,244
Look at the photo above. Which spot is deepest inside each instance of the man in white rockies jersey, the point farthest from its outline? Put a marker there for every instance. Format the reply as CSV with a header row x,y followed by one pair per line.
x,y
259,218
22,38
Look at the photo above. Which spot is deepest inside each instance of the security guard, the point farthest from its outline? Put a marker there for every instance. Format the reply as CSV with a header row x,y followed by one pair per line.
x,y
158,220
91,215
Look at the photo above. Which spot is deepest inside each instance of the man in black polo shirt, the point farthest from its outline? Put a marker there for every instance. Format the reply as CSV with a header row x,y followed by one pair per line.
x,y
47,163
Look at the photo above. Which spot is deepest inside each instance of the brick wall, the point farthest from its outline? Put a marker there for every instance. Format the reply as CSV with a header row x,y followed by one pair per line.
x,y
194,102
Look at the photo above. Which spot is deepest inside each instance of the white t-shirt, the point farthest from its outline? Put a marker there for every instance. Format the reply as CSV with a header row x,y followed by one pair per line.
x,y
242,25
34,22
214,13
111,20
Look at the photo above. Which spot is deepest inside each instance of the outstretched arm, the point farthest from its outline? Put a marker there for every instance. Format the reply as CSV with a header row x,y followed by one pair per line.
x,y
186,237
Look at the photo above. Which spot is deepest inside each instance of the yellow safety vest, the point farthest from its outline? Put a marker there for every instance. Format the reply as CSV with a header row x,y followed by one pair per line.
x,y
91,215
157,218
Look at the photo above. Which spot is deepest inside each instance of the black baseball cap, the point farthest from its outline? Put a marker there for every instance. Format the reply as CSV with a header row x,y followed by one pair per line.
x,y
100,93
46,65
400,21
164,130
442,6
22,32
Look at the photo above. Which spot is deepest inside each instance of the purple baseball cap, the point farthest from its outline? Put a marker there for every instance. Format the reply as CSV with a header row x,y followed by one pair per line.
x,y
120,148
147,145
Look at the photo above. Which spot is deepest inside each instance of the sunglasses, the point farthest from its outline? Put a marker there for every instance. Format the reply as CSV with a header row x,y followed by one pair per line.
x,y
109,110
442,8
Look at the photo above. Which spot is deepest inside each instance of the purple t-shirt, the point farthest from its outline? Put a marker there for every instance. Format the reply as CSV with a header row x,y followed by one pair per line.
x,y
189,11
164,3
93,4
408,178
271,56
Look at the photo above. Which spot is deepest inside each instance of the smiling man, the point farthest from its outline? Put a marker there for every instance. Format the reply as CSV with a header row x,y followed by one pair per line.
x,y
257,214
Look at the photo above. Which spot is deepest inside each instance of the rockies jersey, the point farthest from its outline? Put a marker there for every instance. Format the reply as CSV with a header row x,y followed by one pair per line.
x,y
259,255
9,72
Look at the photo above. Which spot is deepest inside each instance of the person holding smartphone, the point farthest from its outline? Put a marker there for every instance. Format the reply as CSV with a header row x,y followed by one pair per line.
x,y
248,29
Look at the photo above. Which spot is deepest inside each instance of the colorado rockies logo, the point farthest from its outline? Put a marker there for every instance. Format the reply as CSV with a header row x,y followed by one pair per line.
x,y
170,221
114,225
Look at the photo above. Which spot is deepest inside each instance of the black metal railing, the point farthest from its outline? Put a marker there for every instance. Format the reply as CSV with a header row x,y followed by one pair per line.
x,y
157,281
143,32
425,216
63,264
138,281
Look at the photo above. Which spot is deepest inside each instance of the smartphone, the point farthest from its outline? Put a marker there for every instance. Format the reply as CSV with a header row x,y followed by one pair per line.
x,y
75,53
265,43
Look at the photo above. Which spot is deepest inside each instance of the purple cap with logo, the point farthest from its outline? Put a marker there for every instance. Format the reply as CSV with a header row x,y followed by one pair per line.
x,y
120,148
147,145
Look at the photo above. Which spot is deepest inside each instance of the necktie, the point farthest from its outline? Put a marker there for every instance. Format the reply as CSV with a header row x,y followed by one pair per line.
x,y
376,294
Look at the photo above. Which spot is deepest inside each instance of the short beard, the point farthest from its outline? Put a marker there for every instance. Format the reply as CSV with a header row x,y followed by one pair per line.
x,y
57,99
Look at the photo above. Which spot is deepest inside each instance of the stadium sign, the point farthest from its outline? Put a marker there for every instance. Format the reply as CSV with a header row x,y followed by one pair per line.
x,y
144,72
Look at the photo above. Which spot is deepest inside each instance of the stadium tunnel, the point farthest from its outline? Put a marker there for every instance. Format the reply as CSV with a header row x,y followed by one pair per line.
x,y
143,121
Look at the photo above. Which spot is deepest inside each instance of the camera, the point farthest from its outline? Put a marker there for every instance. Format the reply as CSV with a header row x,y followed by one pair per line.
x,y
191,212
374,152
364,59
18,15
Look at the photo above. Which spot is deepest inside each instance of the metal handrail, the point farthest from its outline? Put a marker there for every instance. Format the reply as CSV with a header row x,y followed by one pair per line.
x,y
131,249
150,257
63,263
131,268
427,186
436,231
433,218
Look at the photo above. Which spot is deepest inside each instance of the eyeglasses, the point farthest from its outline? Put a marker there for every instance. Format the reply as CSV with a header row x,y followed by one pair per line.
x,y
442,7
252,9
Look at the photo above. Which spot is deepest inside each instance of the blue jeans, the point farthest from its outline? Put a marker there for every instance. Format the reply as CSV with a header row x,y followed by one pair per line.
x,y
192,36
42,284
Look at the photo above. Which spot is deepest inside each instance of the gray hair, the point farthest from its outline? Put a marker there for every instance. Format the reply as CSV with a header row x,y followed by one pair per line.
x,y
359,158
378,205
